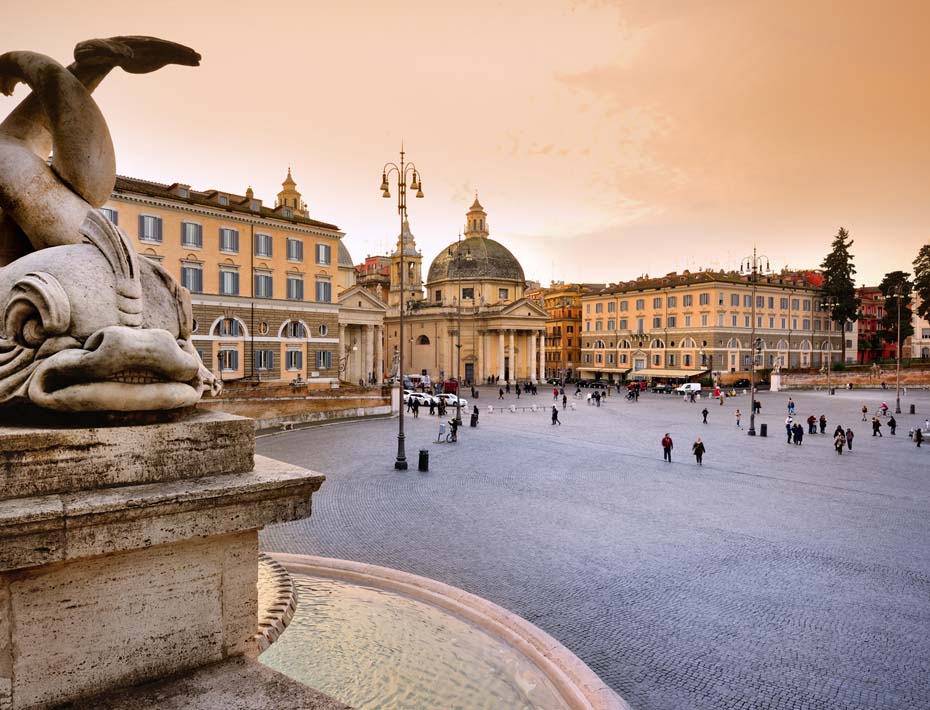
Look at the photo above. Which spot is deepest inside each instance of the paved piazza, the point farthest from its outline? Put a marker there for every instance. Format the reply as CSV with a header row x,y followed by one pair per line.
x,y
775,576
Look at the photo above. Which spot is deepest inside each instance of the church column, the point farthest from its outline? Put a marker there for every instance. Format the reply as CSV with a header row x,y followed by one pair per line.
x,y
369,352
342,351
513,360
379,353
500,355
542,354
533,377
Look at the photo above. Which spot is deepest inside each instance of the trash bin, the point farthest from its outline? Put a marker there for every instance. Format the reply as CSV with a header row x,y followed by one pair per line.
x,y
424,460
763,430
913,410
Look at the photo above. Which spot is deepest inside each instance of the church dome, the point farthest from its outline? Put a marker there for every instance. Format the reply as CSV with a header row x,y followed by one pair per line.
x,y
345,258
479,258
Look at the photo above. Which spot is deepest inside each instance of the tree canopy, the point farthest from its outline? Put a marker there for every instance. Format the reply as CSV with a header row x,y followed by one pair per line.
x,y
894,287
922,281
839,287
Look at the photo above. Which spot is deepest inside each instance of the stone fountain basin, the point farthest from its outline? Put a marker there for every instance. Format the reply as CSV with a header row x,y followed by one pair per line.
x,y
577,686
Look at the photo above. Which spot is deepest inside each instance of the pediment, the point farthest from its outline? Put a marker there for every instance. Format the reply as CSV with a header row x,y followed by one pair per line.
x,y
526,308
350,298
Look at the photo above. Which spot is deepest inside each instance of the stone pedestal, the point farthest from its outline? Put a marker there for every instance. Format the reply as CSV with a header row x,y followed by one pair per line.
x,y
129,554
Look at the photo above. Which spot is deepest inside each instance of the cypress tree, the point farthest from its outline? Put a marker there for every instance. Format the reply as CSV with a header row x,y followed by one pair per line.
x,y
839,288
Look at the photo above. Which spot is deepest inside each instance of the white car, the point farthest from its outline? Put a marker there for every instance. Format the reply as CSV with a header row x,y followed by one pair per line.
x,y
421,397
451,399
689,388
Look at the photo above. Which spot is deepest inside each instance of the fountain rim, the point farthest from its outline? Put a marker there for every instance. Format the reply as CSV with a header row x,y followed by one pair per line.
x,y
579,686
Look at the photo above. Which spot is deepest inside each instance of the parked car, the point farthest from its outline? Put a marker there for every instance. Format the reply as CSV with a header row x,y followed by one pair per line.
x,y
662,387
688,388
741,383
450,399
421,397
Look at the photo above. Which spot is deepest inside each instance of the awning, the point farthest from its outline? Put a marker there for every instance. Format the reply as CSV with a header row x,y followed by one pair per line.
x,y
667,372
612,370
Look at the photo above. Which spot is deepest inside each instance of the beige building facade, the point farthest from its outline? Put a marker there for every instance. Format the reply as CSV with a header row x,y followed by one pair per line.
x,y
263,281
683,326
473,323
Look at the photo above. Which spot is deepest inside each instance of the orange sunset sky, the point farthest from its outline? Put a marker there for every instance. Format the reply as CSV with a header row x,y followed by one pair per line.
x,y
606,139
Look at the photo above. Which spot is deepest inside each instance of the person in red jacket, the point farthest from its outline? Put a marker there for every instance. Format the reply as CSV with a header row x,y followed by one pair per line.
x,y
667,447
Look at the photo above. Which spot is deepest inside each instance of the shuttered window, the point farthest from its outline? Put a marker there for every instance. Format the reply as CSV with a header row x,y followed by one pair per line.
x,y
324,359
229,240
110,214
228,360
191,235
149,228
324,292
264,359
229,282
295,250
294,359
264,286
295,288
263,245
192,278
323,254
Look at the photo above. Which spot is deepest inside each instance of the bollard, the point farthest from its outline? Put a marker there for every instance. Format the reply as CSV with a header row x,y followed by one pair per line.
x,y
763,430
490,409
513,409
424,460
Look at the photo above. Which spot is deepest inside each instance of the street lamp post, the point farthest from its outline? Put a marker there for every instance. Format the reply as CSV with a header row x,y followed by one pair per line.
x,y
752,266
829,306
401,171
899,293
458,347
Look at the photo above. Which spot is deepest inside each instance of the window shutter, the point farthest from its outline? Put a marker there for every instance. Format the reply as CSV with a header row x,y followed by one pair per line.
x,y
158,228
141,227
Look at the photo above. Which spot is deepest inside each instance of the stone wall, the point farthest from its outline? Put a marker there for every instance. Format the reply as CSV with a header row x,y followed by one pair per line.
x,y
910,377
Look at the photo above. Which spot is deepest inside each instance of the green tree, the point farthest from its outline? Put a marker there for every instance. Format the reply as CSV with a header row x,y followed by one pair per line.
x,y
896,286
839,288
922,281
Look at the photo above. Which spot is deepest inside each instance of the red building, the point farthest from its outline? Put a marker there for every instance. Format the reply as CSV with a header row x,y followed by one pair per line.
x,y
869,326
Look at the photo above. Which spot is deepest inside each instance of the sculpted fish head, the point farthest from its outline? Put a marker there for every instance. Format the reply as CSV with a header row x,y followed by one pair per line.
x,y
91,327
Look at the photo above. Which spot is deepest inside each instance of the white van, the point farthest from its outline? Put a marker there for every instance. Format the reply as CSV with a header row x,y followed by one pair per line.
x,y
688,388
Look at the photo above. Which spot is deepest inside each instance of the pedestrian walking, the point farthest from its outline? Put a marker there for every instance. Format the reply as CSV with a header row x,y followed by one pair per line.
x,y
474,416
823,424
790,406
507,386
667,447
416,408
698,449
865,411
555,393
500,394
704,413
555,416
789,423
892,424
432,406
518,391
839,441
839,430
849,438
876,426
798,434
918,436
738,415
564,401
812,424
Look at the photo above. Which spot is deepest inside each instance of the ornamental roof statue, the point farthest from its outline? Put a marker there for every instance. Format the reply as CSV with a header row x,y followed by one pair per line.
x,y
85,324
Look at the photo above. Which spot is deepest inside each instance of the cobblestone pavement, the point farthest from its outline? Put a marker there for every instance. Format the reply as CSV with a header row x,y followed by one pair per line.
x,y
775,576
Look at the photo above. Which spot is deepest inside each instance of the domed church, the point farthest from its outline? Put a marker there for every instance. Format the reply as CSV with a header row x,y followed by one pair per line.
x,y
475,281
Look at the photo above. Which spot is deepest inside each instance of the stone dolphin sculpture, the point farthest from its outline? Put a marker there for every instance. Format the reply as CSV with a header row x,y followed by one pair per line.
x,y
85,324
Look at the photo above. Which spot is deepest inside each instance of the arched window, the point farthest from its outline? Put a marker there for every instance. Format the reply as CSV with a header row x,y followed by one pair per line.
x,y
688,343
422,340
804,345
826,346
733,344
657,343
599,345
625,345
782,344
229,327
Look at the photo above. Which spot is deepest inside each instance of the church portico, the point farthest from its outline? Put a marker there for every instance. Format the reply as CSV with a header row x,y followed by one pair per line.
x,y
473,322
